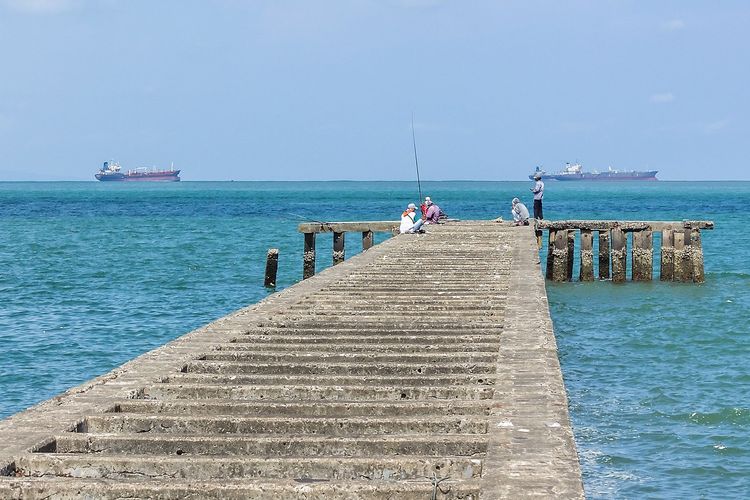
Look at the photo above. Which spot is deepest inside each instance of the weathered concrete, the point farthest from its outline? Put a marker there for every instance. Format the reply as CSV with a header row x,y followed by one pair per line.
x,y
587,255
681,259
348,385
272,266
603,254
666,264
606,225
642,255
619,255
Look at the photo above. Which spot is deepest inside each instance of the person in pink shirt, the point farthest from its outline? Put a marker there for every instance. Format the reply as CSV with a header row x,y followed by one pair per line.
x,y
433,212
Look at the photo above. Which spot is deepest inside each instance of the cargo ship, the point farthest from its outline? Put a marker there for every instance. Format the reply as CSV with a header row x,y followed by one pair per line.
x,y
111,171
574,172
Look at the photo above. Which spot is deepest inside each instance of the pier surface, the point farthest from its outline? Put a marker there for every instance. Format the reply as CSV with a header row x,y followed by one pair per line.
x,y
425,367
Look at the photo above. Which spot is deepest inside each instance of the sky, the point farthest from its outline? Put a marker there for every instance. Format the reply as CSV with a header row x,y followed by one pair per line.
x,y
326,89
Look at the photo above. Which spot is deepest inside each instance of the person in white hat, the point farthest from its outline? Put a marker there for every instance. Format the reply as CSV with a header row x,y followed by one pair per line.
x,y
520,213
425,205
409,222
538,191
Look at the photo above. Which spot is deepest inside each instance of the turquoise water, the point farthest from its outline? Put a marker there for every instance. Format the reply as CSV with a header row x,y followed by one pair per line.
x,y
658,374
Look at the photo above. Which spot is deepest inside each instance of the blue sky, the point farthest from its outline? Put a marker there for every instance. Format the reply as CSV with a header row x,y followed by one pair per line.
x,y
302,90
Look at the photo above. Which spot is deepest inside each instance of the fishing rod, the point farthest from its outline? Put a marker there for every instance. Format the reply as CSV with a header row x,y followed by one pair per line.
x,y
416,160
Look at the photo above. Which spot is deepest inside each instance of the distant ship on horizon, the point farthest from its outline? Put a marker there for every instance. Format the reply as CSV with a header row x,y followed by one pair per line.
x,y
574,172
111,171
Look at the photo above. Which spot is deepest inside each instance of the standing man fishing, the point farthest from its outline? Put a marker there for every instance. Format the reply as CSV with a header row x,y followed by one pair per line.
x,y
538,191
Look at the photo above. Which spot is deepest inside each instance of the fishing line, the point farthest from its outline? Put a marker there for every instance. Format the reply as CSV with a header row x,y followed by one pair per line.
x,y
416,160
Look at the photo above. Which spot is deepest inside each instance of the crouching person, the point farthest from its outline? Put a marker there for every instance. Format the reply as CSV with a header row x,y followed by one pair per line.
x,y
520,213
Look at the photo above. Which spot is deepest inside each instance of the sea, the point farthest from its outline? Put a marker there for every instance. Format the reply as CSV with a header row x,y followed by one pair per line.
x,y
658,374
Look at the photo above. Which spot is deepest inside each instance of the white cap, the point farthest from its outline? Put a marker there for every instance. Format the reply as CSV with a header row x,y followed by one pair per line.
x,y
411,205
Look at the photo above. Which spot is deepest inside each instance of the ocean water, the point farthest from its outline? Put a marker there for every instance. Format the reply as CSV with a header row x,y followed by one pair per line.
x,y
658,374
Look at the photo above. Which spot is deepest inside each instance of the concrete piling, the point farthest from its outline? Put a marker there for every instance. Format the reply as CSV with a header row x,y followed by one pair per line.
x,y
571,253
367,239
308,259
696,249
551,253
338,248
666,266
619,255
642,255
272,266
603,254
560,257
679,255
587,255
687,256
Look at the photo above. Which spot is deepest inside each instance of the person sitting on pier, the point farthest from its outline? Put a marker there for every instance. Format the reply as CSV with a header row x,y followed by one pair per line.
x,y
434,213
425,204
408,224
520,213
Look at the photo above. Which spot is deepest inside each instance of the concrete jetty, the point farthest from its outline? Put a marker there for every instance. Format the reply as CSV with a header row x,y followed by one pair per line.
x,y
423,368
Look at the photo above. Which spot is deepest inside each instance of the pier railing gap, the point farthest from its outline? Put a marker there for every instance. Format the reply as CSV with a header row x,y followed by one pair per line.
x,y
680,259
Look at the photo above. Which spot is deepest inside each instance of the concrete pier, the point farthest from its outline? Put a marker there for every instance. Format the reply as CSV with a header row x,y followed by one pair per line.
x,y
423,368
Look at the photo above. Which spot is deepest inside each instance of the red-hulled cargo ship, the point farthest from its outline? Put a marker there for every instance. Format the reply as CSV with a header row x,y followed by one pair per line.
x,y
111,171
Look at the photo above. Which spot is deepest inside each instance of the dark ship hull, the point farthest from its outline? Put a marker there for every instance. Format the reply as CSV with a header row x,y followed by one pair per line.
x,y
574,172
604,176
164,176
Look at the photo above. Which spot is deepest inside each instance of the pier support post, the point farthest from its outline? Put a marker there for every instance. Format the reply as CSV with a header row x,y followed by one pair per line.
x,y
587,255
272,266
366,240
687,257
696,252
603,255
551,252
666,262
643,255
560,258
680,256
619,255
338,248
571,252
308,257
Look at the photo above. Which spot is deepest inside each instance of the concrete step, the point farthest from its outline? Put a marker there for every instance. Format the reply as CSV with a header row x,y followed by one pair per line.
x,y
395,319
358,339
165,424
385,326
315,392
415,346
440,332
435,306
345,357
290,368
272,446
331,380
228,489
207,468
217,407
444,351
